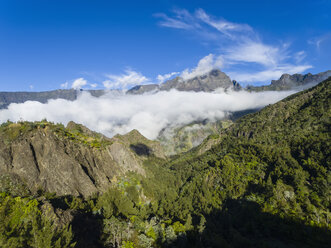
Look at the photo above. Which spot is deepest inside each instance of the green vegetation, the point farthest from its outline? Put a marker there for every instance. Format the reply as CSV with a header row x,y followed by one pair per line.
x,y
96,141
24,224
265,184
10,131
12,185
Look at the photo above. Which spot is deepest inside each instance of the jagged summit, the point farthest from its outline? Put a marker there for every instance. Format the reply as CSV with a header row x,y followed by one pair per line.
x,y
299,79
207,82
287,81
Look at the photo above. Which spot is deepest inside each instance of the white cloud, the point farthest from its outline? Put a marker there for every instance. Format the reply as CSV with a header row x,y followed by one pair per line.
x,y
222,25
124,81
299,56
78,83
205,65
274,61
182,20
199,22
241,52
172,23
267,75
254,52
149,113
64,85
317,41
163,78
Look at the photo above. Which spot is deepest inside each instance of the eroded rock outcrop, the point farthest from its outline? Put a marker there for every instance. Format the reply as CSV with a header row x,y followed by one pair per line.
x,y
72,160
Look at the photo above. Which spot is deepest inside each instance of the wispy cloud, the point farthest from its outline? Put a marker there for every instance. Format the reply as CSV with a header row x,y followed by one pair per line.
x,y
124,81
254,52
267,75
222,25
172,23
317,41
79,83
64,85
241,51
182,19
300,56
163,78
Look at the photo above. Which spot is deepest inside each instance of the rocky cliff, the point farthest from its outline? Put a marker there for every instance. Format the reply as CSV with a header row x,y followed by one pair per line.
x,y
72,160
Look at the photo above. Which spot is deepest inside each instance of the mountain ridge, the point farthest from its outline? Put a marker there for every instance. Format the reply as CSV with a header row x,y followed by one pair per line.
x,y
206,82
287,81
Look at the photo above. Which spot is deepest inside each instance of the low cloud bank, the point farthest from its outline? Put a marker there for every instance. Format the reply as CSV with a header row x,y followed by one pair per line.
x,y
149,113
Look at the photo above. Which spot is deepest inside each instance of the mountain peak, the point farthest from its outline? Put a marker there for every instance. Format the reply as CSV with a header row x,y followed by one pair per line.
x,y
206,82
288,81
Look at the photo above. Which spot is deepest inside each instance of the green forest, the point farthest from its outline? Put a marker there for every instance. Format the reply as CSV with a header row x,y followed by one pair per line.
x,y
266,183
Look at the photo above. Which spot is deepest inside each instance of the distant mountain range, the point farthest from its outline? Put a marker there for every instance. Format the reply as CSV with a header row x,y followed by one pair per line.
x,y
207,82
7,98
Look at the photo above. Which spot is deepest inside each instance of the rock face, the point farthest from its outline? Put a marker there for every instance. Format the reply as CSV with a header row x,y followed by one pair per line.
x,y
141,89
71,160
299,79
207,82
287,81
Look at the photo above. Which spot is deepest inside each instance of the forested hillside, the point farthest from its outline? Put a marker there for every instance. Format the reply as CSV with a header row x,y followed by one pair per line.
x,y
264,183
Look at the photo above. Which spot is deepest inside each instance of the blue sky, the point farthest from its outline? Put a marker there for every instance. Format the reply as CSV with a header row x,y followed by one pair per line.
x,y
47,45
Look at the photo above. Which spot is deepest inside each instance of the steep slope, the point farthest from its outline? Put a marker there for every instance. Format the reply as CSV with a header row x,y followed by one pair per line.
x,y
304,113
267,175
72,160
